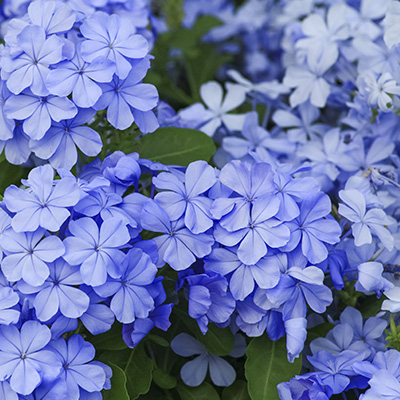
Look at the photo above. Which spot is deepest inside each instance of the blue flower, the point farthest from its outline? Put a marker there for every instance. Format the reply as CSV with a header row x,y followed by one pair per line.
x,y
37,112
209,299
304,388
112,37
27,255
98,318
96,250
126,100
122,170
296,334
78,370
25,358
291,192
30,68
375,219
130,299
59,143
262,230
54,18
297,287
17,148
6,124
249,185
46,202
383,386
255,318
133,333
370,278
300,125
370,332
177,246
265,273
194,372
335,372
314,228
217,113
9,314
58,292
80,78
185,198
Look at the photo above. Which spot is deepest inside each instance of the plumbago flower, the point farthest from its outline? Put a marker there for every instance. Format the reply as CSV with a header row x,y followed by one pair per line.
x,y
209,120
365,222
96,250
60,59
255,242
44,204
25,357
58,293
208,299
177,246
60,142
79,371
27,255
194,372
130,298
185,198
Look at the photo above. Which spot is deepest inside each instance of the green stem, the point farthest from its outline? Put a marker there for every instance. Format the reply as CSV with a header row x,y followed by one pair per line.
x,y
167,366
179,93
168,395
192,80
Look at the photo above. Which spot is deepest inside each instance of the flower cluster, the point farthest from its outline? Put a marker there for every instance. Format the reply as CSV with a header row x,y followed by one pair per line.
x,y
326,74
349,357
60,65
294,224
263,236
71,250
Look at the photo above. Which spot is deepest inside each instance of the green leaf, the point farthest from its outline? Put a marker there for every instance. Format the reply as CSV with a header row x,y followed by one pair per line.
x,y
110,340
158,340
203,392
370,306
137,366
266,366
118,385
218,341
176,146
237,391
139,372
187,39
10,174
173,9
163,379
318,331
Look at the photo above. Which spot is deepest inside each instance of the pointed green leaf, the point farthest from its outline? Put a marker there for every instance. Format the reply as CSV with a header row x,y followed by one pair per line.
x,y
237,391
176,146
163,379
218,341
118,385
157,339
203,392
110,340
137,366
266,366
318,331
10,174
139,372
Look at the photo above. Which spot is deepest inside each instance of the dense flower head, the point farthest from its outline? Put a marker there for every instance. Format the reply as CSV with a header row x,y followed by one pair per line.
x,y
59,61
77,261
300,202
